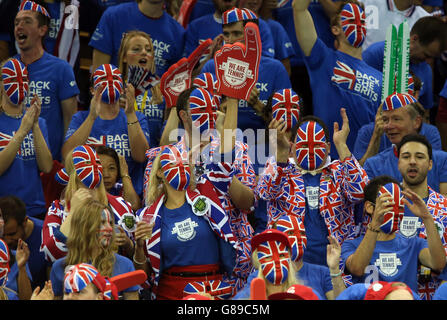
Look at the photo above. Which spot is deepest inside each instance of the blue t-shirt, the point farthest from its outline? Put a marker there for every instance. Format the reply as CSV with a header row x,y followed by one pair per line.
x,y
284,16
201,8
36,261
167,34
443,92
12,288
392,260
385,163
154,115
283,45
22,178
441,292
373,56
113,134
186,239
271,78
121,265
339,80
365,133
52,79
313,276
314,224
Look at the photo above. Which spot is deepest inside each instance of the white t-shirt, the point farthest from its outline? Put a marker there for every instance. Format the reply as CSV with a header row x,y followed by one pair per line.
x,y
381,13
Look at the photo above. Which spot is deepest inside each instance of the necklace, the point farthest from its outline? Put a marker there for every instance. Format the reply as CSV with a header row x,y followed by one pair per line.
x,y
15,116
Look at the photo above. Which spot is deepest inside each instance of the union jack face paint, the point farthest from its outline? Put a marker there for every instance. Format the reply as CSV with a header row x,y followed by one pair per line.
x,y
310,145
175,170
286,105
109,75
353,24
392,219
4,263
295,231
15,81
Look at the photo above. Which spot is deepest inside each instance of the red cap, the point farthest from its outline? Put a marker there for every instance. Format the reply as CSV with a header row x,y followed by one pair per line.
x,y
269,235
195,296
295,292
380,289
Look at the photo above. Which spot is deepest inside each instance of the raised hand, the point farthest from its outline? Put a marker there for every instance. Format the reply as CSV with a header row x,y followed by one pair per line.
x,y
46,293
333,253
417,206
22,254
341,135
95,103
237,65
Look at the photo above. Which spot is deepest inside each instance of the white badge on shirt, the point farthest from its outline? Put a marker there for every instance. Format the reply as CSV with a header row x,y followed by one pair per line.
x,y
185,229
388,264
312,195
409,226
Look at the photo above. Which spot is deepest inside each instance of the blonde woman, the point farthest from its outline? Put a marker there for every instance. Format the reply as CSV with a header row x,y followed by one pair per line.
x,y
137,50
91,239
191,239
57,223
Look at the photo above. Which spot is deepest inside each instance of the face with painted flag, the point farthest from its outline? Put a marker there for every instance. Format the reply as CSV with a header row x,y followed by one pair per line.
x,y
311,146
295,231
286,105
274,259
15,81
109,76
175,169
4,263
391,219
203,110
353,24
105,232
87,166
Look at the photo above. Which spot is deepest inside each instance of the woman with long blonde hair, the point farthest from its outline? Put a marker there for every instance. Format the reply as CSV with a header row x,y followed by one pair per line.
x,y
91,239
137,50
57,222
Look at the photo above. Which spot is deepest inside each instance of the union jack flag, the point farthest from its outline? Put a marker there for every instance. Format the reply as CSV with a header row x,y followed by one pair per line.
x,y
15,80
410,85
353,24
4,263
177,173
397,100
87,166
236,14
203,110
31,5
298,240
78,277
141,79
426,290
207,81
220,290
274,259
4,140
310,145
344,74
94,142
286,105
111,76
391,219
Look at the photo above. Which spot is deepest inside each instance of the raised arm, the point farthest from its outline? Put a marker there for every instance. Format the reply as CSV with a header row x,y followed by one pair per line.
x,y
306,33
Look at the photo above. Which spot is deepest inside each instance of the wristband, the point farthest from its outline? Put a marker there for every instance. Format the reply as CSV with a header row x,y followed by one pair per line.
x,y
335,275
137,262
371,229
126,176
131,123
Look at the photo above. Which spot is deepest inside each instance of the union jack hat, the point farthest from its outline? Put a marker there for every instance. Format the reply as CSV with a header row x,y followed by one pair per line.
x,y
397,100
31,5
87,166
203,110
174,168
15,80
62,177
380,289
111,76
392,219
207,81
269,235
353,24
4,263
410,85
295,292
81,275
236,14
286,105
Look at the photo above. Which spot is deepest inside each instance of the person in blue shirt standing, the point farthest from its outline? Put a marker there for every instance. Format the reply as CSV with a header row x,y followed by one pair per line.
x,y
339,78
145,15
382,254
51,78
